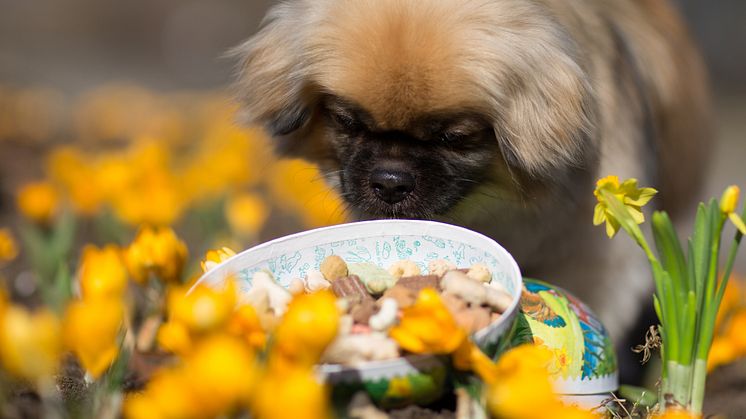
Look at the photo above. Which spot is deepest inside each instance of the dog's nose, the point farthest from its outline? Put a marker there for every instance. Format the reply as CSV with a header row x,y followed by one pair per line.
x,y
391,186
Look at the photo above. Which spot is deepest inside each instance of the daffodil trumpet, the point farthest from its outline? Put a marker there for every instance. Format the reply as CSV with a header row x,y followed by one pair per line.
x,y
688,293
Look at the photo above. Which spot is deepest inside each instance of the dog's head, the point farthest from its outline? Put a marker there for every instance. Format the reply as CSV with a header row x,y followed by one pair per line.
x,y
410,107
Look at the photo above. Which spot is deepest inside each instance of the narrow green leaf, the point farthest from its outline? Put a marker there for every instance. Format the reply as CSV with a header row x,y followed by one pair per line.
x,y
670,252
700,244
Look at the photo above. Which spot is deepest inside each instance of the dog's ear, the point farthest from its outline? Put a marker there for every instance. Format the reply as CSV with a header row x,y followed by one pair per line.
x,y
548,119
273,86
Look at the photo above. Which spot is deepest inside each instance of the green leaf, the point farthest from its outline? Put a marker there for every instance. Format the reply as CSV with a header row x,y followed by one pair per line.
x,y
670,252
700,253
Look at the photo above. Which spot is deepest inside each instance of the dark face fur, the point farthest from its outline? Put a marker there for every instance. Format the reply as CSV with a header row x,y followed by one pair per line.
x,y
419,172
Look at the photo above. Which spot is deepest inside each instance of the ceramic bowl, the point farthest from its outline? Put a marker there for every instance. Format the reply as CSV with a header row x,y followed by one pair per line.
x,y
409,379
584,365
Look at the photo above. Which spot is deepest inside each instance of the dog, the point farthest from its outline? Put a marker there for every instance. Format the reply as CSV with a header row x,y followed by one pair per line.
x,y
498,115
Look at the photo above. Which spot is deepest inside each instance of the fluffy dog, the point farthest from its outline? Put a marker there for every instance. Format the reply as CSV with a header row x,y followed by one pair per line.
x,y
498,115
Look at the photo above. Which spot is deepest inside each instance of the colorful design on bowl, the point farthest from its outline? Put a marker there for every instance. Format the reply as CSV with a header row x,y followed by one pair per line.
x,y
584,357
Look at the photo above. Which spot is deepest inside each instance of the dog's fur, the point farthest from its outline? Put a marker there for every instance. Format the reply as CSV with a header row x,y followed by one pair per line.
x,y
505,112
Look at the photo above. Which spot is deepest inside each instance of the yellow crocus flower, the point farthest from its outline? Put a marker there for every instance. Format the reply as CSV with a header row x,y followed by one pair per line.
x,y
204,309
673,413
246,214
428,327
292,394
8,247
215,257
102,273
524,389
167,396
300,186
729,204
245,324
91,331
174,337
221,374
632,197
38,202
309,326
156,251
30,343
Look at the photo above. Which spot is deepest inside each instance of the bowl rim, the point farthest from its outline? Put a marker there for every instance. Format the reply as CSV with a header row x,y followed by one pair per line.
x,y
382,228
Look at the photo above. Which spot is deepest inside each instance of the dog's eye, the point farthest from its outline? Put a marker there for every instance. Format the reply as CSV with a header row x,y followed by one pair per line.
x,y
452,136
346,122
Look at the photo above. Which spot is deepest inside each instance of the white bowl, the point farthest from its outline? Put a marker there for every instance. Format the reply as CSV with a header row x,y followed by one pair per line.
x,y
382,243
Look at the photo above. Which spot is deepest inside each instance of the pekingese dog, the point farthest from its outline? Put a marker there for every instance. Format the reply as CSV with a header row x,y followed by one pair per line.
x,y
498,115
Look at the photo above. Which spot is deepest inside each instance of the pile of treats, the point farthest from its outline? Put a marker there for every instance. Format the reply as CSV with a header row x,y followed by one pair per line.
x,y
372,299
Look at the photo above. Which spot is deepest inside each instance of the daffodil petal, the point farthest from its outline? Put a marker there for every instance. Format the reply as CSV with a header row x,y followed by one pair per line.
x,y
612,227
599,215
738,222
636,214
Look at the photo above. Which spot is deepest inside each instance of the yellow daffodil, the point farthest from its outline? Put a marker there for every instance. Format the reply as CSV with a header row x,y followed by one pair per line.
x,y
8,247
92,329
102,273
428,327
30,343
204,309
246,214
729,204
293,394
38,202
632,197
156,252
215,257
524,388
309,326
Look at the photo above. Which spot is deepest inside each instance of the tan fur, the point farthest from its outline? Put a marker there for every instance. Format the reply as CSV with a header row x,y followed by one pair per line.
x,y
602,86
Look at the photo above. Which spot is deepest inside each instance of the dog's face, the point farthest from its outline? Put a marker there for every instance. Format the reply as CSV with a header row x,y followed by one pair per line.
x,y
412,109
416,171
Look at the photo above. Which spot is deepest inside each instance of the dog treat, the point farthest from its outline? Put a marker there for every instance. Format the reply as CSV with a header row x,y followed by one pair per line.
x,y
371,298
473,318
333,268
403,296
471,291
351,288
420,282
376,279
264,287
386,316
296,286
404,268
439,267
363,311
479,272
453,303
315,282
500,301
357,348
